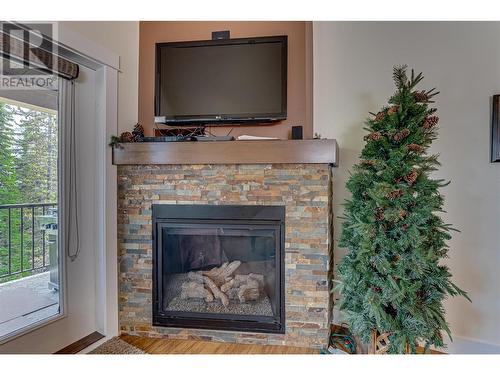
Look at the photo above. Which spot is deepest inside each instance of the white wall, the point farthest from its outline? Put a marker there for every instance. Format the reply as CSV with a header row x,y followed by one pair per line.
x,y
122,38
352,75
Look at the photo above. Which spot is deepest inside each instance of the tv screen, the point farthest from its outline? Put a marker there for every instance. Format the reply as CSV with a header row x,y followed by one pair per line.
x,y
221,81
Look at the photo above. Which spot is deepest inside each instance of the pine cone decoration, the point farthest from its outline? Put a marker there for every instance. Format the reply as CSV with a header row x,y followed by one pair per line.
x,y
430,122
402,214
369,162
405,227
399,136
395,194
411,177
415,148
379,213
127,137
138,132
375,136
380,116
393,109
420,96
376,289
439,334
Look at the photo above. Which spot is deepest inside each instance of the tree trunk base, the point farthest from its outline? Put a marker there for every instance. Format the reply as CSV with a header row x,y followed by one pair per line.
x,y
380,343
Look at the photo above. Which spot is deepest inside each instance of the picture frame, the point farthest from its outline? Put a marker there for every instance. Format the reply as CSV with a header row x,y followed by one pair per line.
x,y
495,130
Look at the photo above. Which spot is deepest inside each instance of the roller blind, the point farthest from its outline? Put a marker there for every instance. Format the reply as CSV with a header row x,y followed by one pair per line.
x,y
15,48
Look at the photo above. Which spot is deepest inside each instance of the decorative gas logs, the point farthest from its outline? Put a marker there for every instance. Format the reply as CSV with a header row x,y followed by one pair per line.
x,y
215,291
193,289
221,274
221,283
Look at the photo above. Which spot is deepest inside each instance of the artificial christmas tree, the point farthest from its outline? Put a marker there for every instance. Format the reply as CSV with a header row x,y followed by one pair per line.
x,y
391,282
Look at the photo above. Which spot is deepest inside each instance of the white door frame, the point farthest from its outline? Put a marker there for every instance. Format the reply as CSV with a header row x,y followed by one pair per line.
x,y
106,64
106,178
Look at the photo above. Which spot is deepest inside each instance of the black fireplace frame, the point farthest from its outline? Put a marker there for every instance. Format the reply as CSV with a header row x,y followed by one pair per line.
x,y
193,215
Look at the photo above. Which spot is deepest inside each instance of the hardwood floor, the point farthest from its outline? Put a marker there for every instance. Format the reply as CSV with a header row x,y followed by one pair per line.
x,y
171,346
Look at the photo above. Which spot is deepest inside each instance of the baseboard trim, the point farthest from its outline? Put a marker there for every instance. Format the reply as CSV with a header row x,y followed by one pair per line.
x,y
81,344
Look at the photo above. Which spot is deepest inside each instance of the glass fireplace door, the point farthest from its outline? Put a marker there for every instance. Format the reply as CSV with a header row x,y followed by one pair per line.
x,y
223,274
210,268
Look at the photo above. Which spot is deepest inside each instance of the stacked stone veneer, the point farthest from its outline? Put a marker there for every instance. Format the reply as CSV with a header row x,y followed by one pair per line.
x,y
305,190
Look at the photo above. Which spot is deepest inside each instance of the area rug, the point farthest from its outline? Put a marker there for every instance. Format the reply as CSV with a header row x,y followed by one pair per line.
x,y
116,346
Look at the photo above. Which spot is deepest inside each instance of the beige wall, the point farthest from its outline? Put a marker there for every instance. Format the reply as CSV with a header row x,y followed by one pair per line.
x,y
299,68
122,38
352,75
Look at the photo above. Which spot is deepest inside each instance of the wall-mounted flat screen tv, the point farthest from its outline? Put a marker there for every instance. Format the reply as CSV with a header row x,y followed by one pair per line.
x,y
221,81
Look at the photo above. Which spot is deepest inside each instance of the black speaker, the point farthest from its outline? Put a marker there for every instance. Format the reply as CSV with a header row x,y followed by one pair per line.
x,y
297,132
219,35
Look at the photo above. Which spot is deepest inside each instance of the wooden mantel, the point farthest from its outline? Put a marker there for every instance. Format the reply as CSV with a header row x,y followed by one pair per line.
x,y
314,151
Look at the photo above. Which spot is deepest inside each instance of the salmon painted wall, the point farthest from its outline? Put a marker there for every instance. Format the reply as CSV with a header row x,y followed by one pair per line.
x,y
299,69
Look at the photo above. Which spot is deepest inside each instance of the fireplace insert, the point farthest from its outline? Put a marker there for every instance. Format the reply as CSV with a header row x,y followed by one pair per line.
x,y
219,267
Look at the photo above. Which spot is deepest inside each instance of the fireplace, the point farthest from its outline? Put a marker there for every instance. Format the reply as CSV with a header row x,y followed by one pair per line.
x,y
219,267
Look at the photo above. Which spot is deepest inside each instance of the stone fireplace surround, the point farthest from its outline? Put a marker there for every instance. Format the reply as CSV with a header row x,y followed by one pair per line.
x,y
304,190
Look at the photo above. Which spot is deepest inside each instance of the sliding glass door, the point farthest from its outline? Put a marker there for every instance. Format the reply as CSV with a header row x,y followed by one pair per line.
x,y
30,274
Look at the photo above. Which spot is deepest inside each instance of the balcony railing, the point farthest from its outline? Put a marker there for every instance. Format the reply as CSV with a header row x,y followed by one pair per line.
x,y
26,230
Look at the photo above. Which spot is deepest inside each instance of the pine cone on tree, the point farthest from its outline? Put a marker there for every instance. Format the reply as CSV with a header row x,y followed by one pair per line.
x,y
380,116
393,109
395,194
379,213
368,162
420,96
375,136
430,122
411,177
415,148
439,334
402,214
399,136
